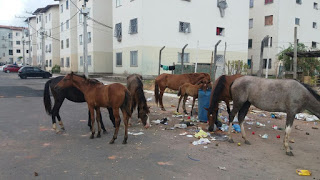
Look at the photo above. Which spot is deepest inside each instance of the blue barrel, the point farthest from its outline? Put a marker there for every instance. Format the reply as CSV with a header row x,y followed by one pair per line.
x,y
203,102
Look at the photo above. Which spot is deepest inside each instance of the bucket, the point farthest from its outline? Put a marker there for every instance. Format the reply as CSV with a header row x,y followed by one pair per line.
x,y
203,102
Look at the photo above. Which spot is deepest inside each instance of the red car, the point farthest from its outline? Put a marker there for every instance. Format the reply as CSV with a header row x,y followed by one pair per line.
x,y
11,68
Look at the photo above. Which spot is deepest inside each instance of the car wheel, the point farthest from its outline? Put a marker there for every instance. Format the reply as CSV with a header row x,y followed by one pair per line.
x,y
8,71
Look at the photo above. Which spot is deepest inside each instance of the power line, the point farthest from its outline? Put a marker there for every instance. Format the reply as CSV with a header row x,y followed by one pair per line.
x,y
90,18
75,5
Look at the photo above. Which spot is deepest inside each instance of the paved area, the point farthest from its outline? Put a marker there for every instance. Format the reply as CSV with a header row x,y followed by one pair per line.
x,y
29,145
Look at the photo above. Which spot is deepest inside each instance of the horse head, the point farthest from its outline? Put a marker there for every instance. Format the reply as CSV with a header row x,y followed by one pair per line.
x,y
210,120
143,115
66,82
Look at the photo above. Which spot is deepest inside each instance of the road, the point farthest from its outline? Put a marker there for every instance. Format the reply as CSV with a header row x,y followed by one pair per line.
x,y
29,145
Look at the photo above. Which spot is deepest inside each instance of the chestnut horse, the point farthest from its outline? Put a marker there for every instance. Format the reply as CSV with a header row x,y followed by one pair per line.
x,y
174,81
220,92
98,95
135,87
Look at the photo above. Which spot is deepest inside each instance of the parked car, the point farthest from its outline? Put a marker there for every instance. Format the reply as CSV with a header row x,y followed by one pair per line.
x,y
11,68
29,71
1,68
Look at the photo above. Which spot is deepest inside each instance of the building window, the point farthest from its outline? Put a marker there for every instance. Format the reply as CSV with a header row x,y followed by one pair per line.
x,y
18,51
62,62
89,37
314,25
315,6
67,43
185,58
268,20
118,3
220,31
299,1
17,34
89,60
50,17
47,63
27,51
266,43
67,24
17,42
250,43
80,18
251,3
49,47
46,48
314,44
10,35
81,60
119,59
249,63
265,63
50,63
40,18
268,1
118,32
80,39
61,8
67,4
67,62
133,27
61,27
184,27
297,21
46,19
61,44
134,58
250,23
10,52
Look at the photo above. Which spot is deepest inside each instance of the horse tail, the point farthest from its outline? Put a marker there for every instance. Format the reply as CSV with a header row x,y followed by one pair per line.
x,y
179,92
156,92
126,105
220,86
141,96
46,98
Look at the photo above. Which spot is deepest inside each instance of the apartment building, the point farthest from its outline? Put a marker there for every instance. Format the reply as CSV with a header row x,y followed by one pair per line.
x,y
142,28
47,22
33,39
5,44
277,19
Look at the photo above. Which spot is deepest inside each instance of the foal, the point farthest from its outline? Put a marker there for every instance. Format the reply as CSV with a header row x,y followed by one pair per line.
x,y
97,95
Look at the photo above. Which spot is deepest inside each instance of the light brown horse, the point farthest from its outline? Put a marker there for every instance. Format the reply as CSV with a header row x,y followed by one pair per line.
x,y
174,81
135,87
96,94
220,92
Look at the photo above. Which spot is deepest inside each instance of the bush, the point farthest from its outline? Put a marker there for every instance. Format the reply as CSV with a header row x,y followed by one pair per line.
x,y
56,69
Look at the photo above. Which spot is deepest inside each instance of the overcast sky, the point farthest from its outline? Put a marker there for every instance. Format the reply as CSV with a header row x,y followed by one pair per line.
x,y
10,8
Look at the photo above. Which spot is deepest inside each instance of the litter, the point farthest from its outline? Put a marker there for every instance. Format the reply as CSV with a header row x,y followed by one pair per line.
x,y
235,119
315,127
183,134
164,121
201,134
312,118
220,137
201,141
156,121
205,147
298,127
222,168
265,136
180,126
260,124
278,136
301,172
307,133
253,133
262,115
149,99
292,141
236,128
250,123
307,117
239,144
273,116
136,134
274,127
171,128
189,135
224,127
193,158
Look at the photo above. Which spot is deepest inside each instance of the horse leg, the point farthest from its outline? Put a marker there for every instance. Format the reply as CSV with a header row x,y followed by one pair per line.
x,y
89,120
98,121
228,106
117,123
55,113
102,125
194,99
289,123
241,115
60,122
111,116
160,99
184,104
125,121
91,109
235,110
179,103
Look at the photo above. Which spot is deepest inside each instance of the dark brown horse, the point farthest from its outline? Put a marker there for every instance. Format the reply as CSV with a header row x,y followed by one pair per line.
x,y
135,87
174,81
220,92
115,96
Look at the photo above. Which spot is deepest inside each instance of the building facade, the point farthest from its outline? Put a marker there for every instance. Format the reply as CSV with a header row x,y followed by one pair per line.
x,y
142,28
33,40
277,19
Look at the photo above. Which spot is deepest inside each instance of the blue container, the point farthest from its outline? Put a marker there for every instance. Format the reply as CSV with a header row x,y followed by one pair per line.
x,y
203,102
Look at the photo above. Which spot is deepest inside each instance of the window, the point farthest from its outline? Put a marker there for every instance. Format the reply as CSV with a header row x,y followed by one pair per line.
x,y
118,3
185,57
299,1
89,60
133,27
10,52
46,19
67,43
134,58
37,20
61,27
314,44
80,18
220,31
40,18
67,62
47,63
249,63
315,6
314,25
49,32
17,34
61,44
250,23
67,24
81,60
268,20
49,47
250,43
265,63
89,37
67,4
268,1
17,42
119,59
62,62
118,32
18,51
10,35
184,27
50,63
266,43
297,21
80,39
61,8
251,3
46,48
50,17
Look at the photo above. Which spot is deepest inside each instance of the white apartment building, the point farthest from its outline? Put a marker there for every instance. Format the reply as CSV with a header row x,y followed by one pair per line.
x,y
47,21
143,27
33,38
277,18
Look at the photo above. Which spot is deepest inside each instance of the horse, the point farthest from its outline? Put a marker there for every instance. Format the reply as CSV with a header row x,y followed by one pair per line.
x,y
174,81
289,96
96,94
135,87
72,94
220,92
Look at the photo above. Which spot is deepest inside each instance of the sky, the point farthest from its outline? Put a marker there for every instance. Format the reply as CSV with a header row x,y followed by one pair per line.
x,y
11,8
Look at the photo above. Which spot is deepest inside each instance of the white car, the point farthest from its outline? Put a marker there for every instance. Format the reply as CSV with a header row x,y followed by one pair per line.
x,y
1,68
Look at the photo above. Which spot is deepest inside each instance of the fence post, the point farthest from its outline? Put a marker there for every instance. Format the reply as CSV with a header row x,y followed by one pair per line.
x,y
215,61
182,56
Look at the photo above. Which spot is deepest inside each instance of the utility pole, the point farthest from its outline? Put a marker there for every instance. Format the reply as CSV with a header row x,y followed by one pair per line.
x,y
215,60
295,54
23,41
85,38
182,56
160,59
224,59
23,35
43,43
268,55
196,65
29,51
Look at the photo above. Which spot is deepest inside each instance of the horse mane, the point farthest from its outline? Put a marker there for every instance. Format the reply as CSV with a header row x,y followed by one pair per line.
x,y
141,96
90,81
216,93
313,92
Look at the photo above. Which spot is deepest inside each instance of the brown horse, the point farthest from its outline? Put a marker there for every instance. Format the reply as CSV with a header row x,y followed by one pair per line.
x,y
220,92
174,81
98,95
135,87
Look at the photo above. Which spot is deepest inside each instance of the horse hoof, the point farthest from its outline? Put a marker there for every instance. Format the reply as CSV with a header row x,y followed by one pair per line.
x,y
124,142
105,132
247,142
98,136
63,129
111,142
92,136
289,153
163,109
230,141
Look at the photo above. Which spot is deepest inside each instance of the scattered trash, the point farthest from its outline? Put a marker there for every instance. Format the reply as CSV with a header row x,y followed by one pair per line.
x,y
164,121
250,123
136,134
222,168
298,127
315,127
269,122
307,117
112,157
201,141
183,134
291,141
253,133
149,99
219,137
301,172
205,147
186,123
307,133
262,115
273,116
156,121
312,118
171,128
239,144
235,119
165,163
249,128
189,135
36,174
193,158
201,134
260,124
180,126
224,128
173,106
274,127
236,128
265,136
217,144
278,136
280,128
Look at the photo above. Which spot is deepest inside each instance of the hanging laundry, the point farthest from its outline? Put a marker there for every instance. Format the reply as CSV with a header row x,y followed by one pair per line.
x,y
166,68
171,68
